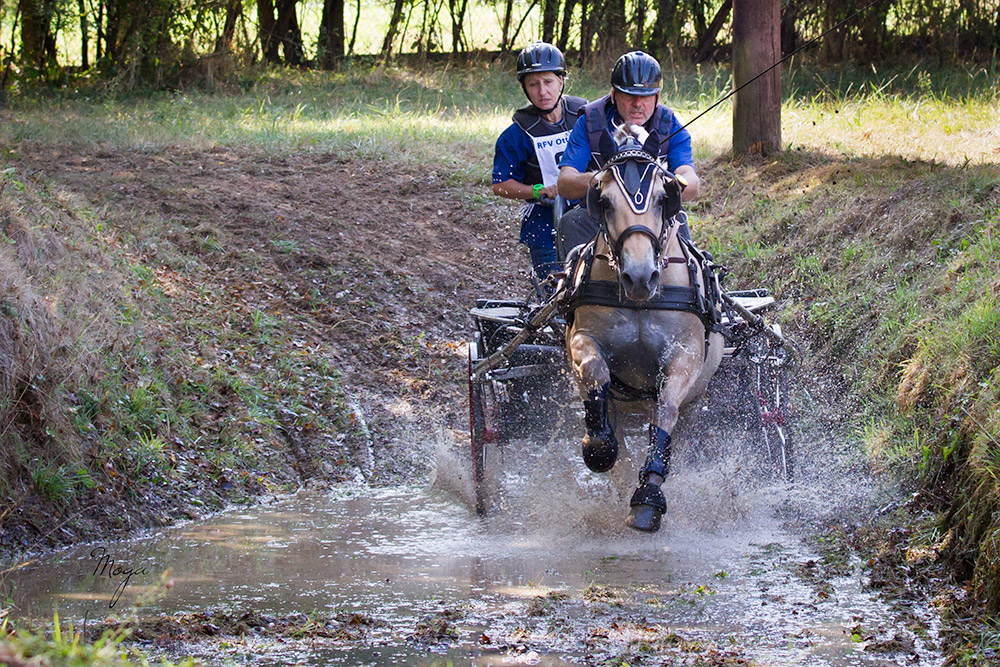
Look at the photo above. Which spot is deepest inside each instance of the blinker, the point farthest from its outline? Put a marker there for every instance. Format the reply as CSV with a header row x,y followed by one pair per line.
x,y
636,180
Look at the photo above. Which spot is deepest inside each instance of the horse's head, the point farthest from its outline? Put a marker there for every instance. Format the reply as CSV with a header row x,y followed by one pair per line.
x,y
634,198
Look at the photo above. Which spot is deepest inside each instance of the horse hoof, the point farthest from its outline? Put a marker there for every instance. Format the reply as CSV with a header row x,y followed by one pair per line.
x,y
600,451
645,518
648,506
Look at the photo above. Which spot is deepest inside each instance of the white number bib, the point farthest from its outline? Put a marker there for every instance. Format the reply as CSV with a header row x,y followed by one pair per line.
x,y
549,150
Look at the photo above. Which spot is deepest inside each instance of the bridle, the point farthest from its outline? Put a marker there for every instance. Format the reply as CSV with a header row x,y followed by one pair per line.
x,y
635,170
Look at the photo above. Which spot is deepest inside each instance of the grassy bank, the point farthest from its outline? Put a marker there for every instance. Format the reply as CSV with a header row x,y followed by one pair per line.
x,y
132,379
135,374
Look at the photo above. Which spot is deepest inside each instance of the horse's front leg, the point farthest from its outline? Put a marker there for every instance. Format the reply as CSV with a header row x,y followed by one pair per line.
x,y
600,446
648,504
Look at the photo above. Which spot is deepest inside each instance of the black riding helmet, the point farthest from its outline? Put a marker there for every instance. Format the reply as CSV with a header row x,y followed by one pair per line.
x,y
540,57
637,73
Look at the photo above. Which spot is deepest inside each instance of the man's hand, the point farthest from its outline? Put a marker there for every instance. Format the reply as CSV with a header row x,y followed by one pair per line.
x,y
690,177
573,184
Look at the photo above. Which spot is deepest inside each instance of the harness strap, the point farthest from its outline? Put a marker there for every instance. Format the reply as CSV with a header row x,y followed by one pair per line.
x,y
606,293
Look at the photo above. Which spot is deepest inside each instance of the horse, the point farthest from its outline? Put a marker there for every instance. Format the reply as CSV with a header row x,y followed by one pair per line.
x,y
637,328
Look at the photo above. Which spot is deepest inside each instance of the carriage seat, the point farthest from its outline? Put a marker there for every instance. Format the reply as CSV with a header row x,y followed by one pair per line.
x,y
573,228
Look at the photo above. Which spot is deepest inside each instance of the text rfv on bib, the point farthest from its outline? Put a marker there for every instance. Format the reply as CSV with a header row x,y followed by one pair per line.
x,y
549,150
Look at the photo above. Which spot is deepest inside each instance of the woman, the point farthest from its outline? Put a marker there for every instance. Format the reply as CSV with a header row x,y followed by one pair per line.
x,y
525,164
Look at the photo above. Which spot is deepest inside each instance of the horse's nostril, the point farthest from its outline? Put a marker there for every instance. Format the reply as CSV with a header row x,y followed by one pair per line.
x,y
654,279
627,281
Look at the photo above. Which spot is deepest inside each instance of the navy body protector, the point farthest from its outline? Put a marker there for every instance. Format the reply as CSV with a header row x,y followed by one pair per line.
x,y
599,135
529,120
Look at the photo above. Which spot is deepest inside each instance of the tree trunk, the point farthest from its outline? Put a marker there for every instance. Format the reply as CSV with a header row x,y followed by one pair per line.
x,y
833,43
789,33
698,16
567,21
233,12
588,10
267,29
331,34
664,30
423,40
706,47
613,39
291,35
640,23
101,36
996,30
550,11
390,35
508,15
84,37
756,46
354,30
456,8
37,41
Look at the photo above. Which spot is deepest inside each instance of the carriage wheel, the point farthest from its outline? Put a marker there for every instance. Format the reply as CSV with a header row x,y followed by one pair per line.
x,y
482,438
768,370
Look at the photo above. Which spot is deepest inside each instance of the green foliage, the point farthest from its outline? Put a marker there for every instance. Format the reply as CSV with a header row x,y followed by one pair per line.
x,y
895,277
65,647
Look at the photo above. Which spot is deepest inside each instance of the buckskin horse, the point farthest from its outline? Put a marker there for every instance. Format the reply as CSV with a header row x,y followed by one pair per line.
x,y
641,315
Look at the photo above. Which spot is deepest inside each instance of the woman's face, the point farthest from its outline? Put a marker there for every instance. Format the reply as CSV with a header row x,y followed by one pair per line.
x,y
543,89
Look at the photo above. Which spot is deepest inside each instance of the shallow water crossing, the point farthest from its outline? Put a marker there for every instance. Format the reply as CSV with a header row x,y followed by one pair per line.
x,y
411,576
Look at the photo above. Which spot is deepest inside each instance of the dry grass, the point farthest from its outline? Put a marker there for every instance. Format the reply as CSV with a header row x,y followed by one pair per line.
x,y
56,319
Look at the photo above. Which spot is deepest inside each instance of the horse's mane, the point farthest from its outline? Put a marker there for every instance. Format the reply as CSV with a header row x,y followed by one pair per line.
x,y
629,130
630,135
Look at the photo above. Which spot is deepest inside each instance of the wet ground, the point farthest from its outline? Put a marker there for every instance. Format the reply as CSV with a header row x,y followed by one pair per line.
x,y
411,576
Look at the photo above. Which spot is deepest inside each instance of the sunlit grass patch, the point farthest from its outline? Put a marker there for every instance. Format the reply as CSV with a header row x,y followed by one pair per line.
x,y
65,646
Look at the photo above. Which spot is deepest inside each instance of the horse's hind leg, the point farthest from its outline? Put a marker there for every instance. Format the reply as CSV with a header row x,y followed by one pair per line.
x,y
600,446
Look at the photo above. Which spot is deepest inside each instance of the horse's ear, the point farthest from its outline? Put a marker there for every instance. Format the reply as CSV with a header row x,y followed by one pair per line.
x,y
607,146
652,144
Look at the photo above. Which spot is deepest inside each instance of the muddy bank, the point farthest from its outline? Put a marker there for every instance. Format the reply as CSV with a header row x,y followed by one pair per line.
x,y
350,280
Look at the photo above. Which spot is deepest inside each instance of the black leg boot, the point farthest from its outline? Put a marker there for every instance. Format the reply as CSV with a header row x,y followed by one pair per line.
x,y
648,504
600,447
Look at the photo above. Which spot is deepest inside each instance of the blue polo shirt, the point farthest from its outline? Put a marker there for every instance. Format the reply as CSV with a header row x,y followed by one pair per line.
x,y
513,149
578,155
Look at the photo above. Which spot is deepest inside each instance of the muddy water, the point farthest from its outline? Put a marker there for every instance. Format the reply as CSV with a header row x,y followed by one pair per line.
x,y
437,585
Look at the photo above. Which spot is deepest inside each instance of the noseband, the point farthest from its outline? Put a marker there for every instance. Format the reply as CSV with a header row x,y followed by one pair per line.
x,y
636,170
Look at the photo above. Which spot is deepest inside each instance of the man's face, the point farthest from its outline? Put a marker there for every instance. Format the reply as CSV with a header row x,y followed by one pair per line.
x,y
543,89
635,108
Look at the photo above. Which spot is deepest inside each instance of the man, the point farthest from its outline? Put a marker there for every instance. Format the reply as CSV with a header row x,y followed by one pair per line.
x,y
634,97
525,164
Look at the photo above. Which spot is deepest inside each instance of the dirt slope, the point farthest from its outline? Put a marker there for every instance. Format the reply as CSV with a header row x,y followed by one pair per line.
x,y
371,263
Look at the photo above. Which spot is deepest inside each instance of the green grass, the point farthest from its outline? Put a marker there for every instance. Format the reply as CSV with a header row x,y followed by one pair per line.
x,y
64,646
452,114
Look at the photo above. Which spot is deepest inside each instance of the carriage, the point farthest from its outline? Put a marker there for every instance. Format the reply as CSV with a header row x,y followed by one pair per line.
x,y
522,377
640,314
